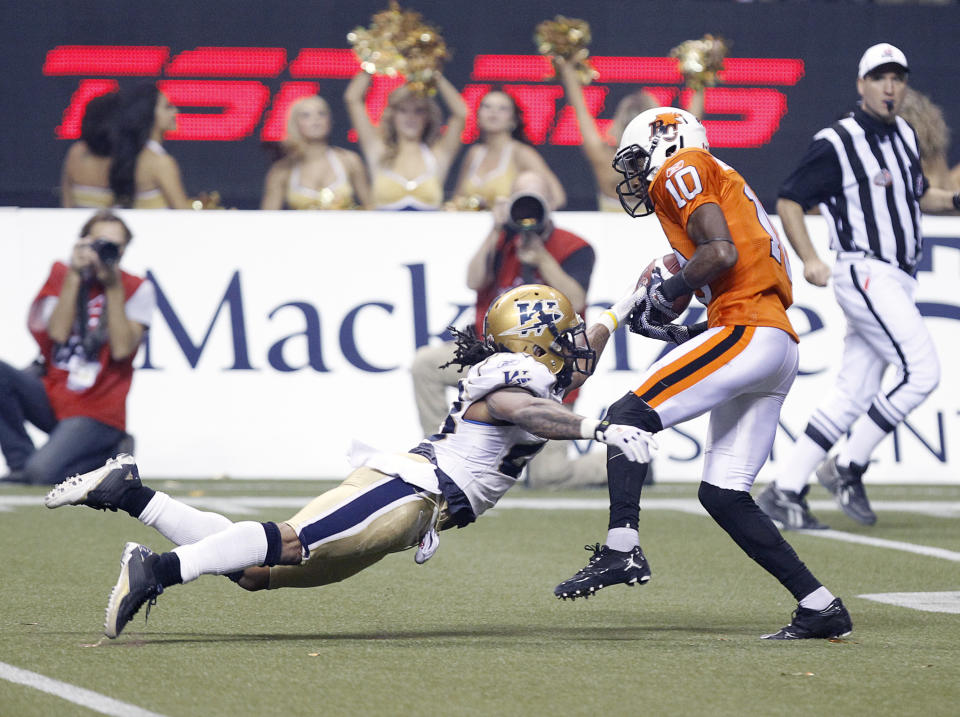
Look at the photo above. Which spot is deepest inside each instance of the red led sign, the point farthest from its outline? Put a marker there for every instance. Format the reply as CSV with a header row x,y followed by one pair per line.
x,y
228,79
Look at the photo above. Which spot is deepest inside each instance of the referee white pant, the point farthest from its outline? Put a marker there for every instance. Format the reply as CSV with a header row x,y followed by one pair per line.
x,y
884,328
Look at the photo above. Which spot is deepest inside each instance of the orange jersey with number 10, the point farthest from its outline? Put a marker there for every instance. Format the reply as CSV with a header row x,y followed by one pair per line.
x,y
757,290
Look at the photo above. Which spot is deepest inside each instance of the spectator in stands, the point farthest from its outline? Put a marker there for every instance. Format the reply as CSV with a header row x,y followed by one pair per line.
x,y
600,148
407,156
503,152
85,180
88,320
312,174
523,247
933,138
142,174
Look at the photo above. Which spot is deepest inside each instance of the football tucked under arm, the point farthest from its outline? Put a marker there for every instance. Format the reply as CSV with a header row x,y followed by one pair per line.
x,y
653,317
660,270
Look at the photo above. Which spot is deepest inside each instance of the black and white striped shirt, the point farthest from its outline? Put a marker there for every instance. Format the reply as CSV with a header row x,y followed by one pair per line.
x,y
866,177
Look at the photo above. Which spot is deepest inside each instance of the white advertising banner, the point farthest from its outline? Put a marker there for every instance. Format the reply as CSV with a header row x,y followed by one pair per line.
x,y
281,336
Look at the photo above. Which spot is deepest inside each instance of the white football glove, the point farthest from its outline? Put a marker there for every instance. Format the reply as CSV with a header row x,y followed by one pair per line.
x,y
621,309
637,445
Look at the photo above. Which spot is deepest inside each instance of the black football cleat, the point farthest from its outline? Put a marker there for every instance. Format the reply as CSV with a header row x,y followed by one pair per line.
x,y
102,488
136,585
606,567
789,510
832,621
846,484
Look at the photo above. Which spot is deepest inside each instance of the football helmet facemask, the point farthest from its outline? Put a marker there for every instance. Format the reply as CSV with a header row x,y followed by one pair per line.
x,y
540,321
648,141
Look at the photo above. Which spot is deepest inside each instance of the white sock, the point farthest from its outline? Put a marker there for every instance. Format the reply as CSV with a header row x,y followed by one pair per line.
x,y
178,522
240,546
623,539
818,599
802,461
864,437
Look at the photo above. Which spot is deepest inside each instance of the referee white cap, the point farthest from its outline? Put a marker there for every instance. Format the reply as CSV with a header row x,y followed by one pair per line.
x,y
882,54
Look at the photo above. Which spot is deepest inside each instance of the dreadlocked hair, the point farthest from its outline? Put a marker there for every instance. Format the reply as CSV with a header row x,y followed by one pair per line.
x,y
470,348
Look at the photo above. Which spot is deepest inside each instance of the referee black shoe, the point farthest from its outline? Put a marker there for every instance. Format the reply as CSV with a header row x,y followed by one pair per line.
x,y
846,484
832,621
789,510
606,567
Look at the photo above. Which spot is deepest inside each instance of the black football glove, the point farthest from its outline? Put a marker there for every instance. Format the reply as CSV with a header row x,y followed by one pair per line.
x,y
648,321
660,303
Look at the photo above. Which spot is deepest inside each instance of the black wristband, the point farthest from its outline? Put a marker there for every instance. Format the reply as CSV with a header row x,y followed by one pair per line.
x,y
676,286
956,201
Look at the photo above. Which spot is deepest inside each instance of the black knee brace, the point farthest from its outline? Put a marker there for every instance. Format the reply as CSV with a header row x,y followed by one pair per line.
x,y
274,544
625,478
758,537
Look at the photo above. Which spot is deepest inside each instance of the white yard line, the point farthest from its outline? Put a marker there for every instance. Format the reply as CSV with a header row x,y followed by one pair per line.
x,y
926,550
947,601
78,695
246,505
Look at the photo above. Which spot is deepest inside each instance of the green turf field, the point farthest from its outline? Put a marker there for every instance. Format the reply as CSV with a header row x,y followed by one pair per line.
x,y
477,631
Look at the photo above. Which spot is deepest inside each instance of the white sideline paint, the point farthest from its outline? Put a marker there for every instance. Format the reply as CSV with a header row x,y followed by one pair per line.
x,y
947,601
78,695
926,550
246,505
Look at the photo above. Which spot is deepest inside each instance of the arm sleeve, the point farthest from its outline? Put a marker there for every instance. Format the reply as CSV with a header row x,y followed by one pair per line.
x,y
816,179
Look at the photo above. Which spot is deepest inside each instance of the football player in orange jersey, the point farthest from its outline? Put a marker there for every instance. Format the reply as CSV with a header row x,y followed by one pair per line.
x,y
738,365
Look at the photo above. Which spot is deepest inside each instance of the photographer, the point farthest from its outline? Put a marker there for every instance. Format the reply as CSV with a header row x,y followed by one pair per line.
x,y
88,320
522,247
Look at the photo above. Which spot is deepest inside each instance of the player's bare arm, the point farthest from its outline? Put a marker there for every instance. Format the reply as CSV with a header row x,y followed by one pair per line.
x,y
539,416
549,419
716,253
815,270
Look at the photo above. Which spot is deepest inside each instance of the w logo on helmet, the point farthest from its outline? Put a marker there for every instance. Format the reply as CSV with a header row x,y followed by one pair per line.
x,y
533,317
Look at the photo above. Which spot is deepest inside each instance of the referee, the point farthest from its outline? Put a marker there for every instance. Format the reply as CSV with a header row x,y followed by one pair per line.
x,y
864,173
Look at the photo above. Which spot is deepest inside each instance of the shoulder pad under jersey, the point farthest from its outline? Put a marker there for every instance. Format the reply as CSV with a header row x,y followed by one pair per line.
x,y
509,369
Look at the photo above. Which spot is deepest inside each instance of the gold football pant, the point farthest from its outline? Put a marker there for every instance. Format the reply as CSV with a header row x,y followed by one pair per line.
x,y
356,524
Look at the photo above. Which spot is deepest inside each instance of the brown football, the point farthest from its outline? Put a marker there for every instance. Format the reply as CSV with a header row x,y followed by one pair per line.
x,y
668,267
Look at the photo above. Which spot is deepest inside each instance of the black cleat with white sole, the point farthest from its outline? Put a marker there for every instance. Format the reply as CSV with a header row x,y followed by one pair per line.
x,y
606,567
102,488
136,585
832,621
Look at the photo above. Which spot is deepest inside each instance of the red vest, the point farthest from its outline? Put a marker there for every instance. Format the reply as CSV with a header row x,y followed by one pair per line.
x,y
106,399
509,273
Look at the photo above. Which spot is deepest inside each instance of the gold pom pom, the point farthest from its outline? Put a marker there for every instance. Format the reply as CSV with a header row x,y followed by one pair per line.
x,y
567,37
466,203
207,200
400,42
700,60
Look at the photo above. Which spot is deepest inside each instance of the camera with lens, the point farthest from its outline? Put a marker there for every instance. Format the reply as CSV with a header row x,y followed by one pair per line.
x,y
527,214
108,251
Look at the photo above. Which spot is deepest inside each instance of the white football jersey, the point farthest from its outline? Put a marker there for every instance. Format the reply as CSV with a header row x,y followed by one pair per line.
x,y
485,460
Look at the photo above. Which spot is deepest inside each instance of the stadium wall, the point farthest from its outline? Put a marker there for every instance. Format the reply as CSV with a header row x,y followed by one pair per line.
x,y
283,336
